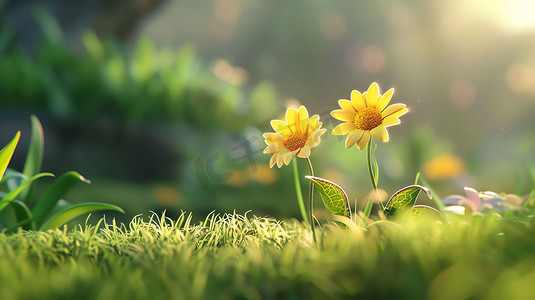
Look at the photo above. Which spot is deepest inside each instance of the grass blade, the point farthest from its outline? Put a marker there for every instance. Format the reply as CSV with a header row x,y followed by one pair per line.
x,y
7,152
54,193
34,158
11,195
70,212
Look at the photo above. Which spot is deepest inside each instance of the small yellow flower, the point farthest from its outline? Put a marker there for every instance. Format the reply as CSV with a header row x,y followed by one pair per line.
x,y
296,136
368,115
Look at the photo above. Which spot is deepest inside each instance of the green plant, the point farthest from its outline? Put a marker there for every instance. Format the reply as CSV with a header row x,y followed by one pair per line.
x,y
46,213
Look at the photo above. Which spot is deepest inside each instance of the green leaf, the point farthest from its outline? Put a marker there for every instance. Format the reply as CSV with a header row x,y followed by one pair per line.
x,y
404,198
70,212
34,158
426,211
7,152
54,193
23,215
11,195
334,197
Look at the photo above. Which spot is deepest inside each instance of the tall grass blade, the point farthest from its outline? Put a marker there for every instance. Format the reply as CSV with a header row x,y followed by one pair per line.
x,y
34,158
54,193
70,212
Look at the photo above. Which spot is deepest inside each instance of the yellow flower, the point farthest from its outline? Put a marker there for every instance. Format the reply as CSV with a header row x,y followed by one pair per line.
x,y
368,115
296,136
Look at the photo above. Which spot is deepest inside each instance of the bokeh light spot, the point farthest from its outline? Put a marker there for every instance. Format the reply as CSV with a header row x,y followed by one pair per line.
x,y
463,93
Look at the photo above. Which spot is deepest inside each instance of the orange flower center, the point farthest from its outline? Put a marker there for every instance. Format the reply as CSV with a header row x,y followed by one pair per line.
x,y
368,118
296,141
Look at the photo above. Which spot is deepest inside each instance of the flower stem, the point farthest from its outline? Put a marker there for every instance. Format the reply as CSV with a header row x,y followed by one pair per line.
x,y
368,208
299,192
311,199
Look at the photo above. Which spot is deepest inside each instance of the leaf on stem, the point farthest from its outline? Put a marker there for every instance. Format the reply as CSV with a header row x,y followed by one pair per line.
x,y
334,197
404,198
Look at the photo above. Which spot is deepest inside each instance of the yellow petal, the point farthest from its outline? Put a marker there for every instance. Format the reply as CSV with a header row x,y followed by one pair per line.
x,y
288,157
302,121
364,140
353,137
343,115
372,95
314,139
385,99
357,99
346,105
281,127
395,110
304,152
313,123
292,118
271,137
390,121
344,128
380,133
273,160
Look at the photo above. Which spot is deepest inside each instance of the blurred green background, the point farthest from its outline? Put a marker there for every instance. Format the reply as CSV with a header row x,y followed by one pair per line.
x,y
162,104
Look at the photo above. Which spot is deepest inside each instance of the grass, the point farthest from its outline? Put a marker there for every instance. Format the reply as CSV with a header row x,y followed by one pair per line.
x,y
235,256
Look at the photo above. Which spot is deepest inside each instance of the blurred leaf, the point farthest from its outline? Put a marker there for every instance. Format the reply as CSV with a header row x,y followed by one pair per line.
x,y
73,211
50,28
263,102
93,45
11,195
54,193
143,63
426,211
404,198
7,152
333,196
34,157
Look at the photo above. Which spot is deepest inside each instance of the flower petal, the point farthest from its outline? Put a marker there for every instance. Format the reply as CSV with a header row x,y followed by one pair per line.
x,y
304,152
372,95
292,118
473,196
314,139
344,128
395,110
346,105
364,140
288,157
313,123
343,115
390,121
385,99
273,160
281,127
302,121
380,133
352,137
358,100
271,137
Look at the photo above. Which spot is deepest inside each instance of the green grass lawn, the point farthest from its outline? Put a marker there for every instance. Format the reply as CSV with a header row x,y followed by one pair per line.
x,y
246,257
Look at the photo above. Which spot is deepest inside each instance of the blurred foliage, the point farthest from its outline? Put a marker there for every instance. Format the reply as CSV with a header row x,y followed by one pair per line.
x,y
149,85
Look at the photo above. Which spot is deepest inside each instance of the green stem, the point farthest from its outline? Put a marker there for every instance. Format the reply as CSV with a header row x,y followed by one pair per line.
x,y
311,199
299,192
368,208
